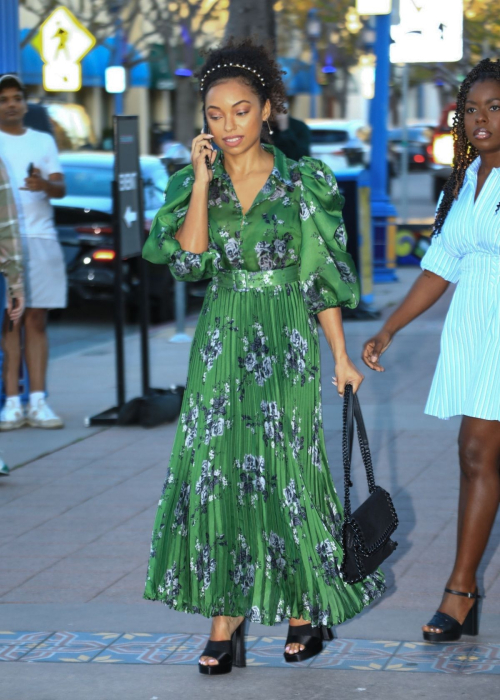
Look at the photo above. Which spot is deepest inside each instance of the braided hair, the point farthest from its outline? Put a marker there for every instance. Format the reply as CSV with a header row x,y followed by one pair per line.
x,y
464,151
250,63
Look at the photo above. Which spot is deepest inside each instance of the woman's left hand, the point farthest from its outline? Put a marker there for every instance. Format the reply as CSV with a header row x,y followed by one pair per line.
x,y
346,372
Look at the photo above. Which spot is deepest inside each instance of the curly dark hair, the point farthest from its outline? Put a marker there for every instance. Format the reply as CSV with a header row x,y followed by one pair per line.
x,y
464,151
262,73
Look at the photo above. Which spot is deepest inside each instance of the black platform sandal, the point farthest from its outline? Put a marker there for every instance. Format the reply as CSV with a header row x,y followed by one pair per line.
x,y
228,653
311,638
452,630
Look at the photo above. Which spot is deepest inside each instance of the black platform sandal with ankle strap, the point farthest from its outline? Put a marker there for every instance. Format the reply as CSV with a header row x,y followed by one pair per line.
x,y
228,653
451,629
311,638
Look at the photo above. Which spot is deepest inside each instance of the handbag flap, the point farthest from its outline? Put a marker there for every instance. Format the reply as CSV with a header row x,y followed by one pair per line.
x,y
374,521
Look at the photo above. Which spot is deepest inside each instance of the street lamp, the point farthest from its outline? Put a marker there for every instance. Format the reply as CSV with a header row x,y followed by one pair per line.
x,y
313,29
115,10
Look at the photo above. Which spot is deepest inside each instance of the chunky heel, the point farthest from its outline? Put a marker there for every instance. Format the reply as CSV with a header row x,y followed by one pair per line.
x,y
238,642
227,653
451,629
311,638
471,622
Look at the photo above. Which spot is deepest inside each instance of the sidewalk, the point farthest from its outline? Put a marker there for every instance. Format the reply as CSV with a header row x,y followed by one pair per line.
x,y
75,538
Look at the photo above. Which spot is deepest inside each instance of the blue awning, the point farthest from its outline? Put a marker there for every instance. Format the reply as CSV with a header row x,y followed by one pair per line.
x,y
93,65
297,77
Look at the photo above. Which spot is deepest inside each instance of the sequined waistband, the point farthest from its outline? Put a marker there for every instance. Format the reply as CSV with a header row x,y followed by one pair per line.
x,y
242,280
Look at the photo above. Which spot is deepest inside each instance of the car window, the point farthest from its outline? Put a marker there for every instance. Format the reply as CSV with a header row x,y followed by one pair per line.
x,y
85,181
82,181
155,183
329,136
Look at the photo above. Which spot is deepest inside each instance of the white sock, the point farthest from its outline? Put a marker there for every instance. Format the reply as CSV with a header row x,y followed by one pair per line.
x,y
14,401
35,397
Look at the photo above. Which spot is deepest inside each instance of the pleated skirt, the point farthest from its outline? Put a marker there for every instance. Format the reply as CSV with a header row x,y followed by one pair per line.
x,y
248,521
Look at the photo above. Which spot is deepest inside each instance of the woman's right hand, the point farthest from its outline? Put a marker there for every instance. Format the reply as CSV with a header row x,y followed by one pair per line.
x,y
374,348
200,148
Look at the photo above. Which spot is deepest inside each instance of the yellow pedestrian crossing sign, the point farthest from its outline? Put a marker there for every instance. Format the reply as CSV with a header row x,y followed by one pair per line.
x,y
64,41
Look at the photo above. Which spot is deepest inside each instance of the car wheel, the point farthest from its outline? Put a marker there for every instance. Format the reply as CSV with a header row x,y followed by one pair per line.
x,y
56,314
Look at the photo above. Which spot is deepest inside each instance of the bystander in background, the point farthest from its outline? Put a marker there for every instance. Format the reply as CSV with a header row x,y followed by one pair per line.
x,y
36,178
291,136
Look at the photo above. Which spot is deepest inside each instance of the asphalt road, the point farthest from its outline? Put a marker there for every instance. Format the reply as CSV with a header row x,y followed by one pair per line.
x,y
80,328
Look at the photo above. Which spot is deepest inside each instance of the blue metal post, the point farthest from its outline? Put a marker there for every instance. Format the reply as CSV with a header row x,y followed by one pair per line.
x,y
118,61
383,211
9,36
314,56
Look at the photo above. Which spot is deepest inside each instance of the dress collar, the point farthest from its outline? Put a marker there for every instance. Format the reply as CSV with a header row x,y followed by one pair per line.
x,y
472,170
280,171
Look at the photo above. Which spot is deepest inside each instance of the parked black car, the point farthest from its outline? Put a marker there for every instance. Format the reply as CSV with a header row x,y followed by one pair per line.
x,y
84,224
419,140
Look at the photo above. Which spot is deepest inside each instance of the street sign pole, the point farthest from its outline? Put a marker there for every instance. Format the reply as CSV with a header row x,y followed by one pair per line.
x,y
128,239
119,303
144,304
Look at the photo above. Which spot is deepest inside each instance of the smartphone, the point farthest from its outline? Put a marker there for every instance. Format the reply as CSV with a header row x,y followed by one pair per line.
x,y
31,168
206,130
14,304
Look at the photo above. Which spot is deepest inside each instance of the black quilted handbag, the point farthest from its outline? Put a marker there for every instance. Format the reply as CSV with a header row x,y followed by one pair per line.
x,y
366,533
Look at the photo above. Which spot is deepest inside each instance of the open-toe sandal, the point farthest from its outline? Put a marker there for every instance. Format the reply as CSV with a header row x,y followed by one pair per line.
x,y
451,629
228,653
311,638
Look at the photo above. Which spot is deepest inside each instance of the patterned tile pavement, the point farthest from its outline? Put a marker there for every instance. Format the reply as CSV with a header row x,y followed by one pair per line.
x,y
347,654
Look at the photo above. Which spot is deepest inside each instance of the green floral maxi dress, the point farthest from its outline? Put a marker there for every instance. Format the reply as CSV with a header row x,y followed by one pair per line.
x,y
248,522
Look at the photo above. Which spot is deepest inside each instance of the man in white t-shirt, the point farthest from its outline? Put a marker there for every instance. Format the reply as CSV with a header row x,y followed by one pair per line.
x,y
36,177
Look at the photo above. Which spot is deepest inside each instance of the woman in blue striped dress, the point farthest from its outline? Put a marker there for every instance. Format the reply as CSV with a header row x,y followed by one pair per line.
x,y
465,251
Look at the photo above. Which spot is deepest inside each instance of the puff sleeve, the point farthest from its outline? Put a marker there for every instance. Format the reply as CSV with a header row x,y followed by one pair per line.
x,y
161,247
328,276
440,260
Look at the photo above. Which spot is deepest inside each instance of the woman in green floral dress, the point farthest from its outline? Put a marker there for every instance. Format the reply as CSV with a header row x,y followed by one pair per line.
x,y
249,523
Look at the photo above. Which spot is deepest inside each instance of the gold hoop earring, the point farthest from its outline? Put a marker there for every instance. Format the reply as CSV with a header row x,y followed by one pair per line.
x,y
269,128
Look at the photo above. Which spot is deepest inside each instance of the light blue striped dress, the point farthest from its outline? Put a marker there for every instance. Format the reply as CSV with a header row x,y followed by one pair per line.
x,y
467,252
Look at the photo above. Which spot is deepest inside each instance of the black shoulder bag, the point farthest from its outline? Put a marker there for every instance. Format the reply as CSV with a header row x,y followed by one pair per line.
x,y
366,532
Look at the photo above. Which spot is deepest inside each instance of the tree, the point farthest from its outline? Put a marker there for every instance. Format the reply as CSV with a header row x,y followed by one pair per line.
x,y
181,27
252,19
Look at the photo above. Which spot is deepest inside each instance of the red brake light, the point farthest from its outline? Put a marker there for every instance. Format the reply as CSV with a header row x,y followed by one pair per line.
x,y
419,158
97,230
103,255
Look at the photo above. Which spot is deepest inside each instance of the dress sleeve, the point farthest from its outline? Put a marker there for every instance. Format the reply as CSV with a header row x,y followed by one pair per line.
x,y
162,248
328,276
439,260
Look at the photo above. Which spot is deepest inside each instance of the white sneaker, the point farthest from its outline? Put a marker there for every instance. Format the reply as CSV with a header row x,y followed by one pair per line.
x,y
12,416
43,416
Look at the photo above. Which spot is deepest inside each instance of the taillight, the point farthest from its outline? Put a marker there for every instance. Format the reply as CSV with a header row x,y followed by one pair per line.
x,y
97,230
442,149
103,255
419,158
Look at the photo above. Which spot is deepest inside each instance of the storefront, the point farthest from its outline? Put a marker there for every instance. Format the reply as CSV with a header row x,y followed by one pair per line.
x,y
92,96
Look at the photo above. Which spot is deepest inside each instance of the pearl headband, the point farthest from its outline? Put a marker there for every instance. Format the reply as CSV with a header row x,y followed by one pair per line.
x,y
230,65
